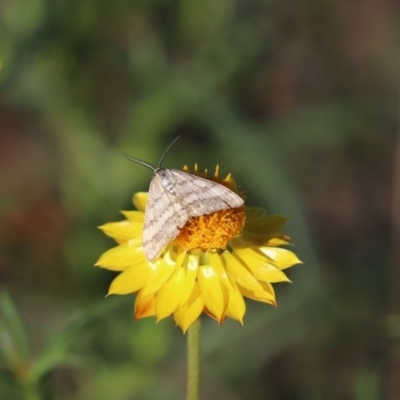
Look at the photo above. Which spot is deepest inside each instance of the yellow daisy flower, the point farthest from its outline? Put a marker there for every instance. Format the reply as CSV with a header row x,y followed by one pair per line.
x,y
216,261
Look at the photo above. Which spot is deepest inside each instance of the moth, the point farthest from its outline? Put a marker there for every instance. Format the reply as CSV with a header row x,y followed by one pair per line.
x,y
174,198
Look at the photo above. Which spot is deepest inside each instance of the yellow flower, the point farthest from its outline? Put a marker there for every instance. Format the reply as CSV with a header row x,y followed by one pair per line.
x,y
216,261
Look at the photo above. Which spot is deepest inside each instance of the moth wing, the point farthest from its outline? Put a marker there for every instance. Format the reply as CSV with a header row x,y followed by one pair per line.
x,y
199,196
163,217
175,197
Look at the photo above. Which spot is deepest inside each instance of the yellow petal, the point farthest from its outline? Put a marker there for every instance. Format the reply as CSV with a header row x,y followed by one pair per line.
x,y
266,296
136,217
277,241
282,258
238,272
236,306
144,306
140,200
131,280
121,257
215,295
215,260
168,296
162,269
122,231
259,266
191,263
191,310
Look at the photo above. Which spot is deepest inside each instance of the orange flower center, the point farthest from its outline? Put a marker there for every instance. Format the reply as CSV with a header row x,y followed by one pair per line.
x,y
212,231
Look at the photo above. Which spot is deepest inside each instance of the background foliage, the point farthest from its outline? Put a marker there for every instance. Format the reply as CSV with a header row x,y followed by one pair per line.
x,y
298,99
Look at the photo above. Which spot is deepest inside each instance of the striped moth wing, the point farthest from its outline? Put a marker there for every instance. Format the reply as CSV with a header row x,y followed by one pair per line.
x,y
174,198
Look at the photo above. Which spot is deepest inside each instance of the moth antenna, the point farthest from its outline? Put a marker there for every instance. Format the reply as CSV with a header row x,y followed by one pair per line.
x,y
166,151
139,161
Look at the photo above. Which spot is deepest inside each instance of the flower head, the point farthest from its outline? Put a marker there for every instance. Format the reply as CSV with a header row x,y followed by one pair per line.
x,y
215,261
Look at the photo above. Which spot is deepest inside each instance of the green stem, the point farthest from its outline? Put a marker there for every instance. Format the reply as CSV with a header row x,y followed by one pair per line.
x,y
193,361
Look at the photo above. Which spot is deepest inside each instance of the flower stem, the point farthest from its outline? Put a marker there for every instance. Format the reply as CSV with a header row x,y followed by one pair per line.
x,y
193,361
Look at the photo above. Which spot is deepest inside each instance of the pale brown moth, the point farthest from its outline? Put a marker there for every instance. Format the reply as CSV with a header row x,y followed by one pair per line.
x,y
174,198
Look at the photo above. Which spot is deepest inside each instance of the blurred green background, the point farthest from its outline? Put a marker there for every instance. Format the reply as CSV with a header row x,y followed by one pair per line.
x,y
299,100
